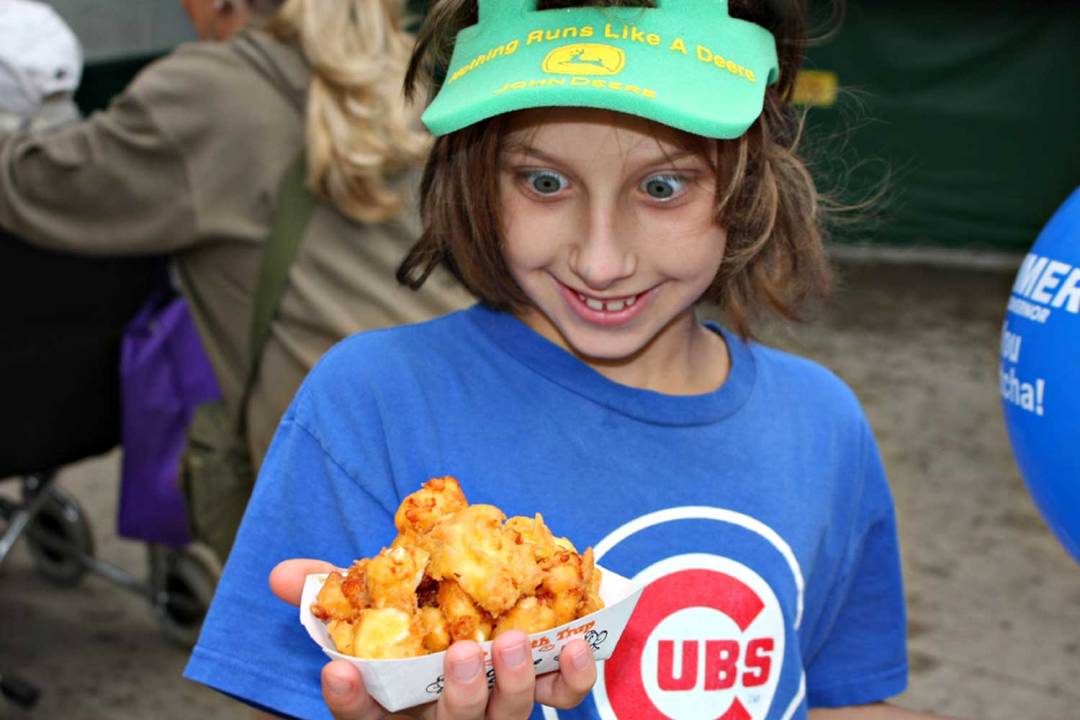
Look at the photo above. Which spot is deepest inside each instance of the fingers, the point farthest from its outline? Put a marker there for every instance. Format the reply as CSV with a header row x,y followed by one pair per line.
x,y
344,693
575,678
465,694
287,579
515,682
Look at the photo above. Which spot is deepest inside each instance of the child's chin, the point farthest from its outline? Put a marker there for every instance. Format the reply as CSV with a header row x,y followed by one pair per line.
x,y
605,351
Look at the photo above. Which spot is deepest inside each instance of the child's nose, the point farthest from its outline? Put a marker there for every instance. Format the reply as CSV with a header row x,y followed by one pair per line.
x,y
604,255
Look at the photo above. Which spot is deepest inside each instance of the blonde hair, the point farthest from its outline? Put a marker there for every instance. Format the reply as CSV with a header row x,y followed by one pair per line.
x,y
359,131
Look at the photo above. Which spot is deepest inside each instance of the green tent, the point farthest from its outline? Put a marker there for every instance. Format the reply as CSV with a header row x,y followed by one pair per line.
x,y
966,116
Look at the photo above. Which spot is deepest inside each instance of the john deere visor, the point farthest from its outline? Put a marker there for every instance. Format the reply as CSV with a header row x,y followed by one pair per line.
x,y
685,63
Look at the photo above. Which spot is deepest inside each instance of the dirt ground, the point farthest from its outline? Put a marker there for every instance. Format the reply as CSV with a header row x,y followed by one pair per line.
x,y
994,600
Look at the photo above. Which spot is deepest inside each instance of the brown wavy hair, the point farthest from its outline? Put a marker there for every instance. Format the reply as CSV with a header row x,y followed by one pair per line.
x,y
766,198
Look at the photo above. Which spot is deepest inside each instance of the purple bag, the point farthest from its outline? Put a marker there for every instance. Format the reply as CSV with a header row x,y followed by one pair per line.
x,y
164,376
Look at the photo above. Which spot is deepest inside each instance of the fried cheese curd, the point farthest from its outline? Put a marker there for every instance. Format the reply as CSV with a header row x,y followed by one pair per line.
x,y
456,572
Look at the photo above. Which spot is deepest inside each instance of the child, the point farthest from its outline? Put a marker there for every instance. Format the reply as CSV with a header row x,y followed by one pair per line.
x,y
598,173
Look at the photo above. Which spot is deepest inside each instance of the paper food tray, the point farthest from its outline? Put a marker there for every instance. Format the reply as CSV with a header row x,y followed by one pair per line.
x,y
403,683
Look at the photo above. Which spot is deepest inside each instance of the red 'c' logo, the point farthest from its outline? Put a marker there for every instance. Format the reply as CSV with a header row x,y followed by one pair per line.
x,y
702,643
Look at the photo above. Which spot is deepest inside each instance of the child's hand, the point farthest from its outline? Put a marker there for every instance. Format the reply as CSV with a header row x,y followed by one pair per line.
x,y
466,695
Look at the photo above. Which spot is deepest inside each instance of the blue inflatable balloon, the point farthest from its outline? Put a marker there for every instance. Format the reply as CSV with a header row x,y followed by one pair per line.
x,y
1040,372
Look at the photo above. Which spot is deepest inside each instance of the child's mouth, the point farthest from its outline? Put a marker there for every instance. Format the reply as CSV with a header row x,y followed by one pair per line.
x,y
608,305
605,310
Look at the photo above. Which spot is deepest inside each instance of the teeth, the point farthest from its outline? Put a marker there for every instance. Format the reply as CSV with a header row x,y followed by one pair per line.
x,y
611,306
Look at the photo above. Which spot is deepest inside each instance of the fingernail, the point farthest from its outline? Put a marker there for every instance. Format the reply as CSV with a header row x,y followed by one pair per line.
x,y
513,655
337,685
465,669
580,659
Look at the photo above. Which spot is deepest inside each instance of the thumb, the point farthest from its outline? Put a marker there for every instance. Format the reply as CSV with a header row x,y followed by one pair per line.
x,y
345,695
287,577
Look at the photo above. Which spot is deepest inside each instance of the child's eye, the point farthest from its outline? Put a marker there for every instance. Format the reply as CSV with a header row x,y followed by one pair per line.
x,y
544,182
663,187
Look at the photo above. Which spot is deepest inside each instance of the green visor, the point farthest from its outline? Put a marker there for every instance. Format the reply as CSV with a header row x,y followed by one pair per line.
x,y
684,63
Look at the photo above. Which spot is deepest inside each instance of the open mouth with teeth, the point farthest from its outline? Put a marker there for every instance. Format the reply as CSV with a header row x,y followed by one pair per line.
x,y
612,306
605,311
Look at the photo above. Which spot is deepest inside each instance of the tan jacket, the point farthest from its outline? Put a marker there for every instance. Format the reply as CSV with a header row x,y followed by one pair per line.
x,y
188,161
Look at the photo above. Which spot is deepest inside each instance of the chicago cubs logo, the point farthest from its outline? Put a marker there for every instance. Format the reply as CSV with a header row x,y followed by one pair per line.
x,y
585,59
706,640
709,636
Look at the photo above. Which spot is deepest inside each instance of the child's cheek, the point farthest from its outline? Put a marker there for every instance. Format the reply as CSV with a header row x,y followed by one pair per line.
x,y
532,236
686,245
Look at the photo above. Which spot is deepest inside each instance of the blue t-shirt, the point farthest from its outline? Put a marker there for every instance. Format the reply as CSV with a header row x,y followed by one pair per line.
x,y
758,514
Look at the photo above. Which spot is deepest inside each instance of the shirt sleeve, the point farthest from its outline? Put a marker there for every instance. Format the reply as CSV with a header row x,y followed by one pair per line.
x,y
860,651
115,183
305,504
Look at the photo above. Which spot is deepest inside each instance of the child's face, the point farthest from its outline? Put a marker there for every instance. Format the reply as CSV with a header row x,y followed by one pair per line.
x,y
608,222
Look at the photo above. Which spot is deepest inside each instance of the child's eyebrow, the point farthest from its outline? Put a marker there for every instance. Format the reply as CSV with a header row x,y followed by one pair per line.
x,y
660,158
526,149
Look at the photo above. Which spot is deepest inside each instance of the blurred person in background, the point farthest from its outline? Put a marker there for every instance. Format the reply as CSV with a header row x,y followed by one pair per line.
x,y
61,315
40,67
188,160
